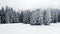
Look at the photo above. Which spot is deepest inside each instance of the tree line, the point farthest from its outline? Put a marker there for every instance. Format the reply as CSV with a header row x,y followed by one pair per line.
x,y
34,17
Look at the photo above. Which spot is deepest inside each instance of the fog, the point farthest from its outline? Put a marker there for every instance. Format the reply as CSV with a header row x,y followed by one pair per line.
x,y
30,4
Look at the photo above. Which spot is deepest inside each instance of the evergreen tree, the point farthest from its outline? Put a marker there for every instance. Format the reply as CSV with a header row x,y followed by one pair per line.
x,y
47,17
36,17
26,17
21,17
3,15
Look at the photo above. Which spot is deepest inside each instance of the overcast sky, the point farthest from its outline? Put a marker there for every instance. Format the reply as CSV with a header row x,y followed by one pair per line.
x,y
30,4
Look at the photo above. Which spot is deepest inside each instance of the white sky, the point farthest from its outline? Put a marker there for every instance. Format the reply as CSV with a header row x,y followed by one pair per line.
x,y
30,4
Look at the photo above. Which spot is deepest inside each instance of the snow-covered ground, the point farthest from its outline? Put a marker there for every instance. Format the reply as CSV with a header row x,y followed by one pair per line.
x,y
20,28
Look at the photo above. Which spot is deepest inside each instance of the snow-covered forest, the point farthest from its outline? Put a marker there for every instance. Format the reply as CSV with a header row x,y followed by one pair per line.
x,y
33,17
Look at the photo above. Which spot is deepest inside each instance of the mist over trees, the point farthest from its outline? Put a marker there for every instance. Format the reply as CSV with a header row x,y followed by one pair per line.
x,y
34,17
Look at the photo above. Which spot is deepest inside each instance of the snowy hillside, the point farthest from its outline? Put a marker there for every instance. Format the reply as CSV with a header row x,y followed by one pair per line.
x,y
20,28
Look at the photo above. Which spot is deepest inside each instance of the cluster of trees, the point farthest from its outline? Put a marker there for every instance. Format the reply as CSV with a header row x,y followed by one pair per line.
x,y
40,17
8,15
34,17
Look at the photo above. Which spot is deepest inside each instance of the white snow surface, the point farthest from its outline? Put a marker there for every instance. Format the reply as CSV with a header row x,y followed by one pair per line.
x,y
20,28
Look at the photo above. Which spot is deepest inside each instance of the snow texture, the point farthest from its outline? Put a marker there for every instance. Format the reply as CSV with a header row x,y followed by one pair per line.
x,y
20,28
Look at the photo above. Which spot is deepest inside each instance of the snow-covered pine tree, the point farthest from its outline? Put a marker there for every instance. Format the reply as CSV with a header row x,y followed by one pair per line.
x,y
47,17
39,18
26,17
3,15
54,16
21,17
33,17
36,17
7,14
17,16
